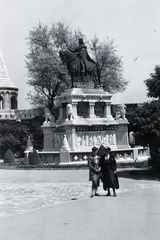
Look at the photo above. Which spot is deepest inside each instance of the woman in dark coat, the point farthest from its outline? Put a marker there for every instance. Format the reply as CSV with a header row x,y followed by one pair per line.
x,y
108,171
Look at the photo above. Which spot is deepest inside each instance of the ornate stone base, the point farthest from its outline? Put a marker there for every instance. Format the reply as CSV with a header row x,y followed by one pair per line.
x,y
86,121
83,137
125,155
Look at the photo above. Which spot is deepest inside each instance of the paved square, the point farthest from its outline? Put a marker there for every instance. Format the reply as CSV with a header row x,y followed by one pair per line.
x,y
26,190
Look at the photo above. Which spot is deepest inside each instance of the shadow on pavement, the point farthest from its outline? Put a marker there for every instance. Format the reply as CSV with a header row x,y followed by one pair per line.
x,y
143,174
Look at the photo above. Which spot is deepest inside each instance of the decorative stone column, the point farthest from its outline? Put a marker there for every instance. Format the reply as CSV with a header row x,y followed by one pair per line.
x,y
74,105
107,111
91,110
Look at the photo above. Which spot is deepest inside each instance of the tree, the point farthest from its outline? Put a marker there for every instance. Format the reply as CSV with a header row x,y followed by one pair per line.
x,y
145,122
145,119
147,129
153,83
46,73
13,135
49,77
111,66
36,131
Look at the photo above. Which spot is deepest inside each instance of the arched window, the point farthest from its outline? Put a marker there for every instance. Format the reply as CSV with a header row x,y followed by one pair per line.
x,y
13,102
1,103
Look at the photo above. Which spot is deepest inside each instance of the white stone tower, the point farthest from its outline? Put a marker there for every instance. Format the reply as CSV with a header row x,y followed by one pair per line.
x,y
8,93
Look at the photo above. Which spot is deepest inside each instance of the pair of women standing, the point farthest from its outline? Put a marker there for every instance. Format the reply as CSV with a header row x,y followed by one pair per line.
x,y
103,166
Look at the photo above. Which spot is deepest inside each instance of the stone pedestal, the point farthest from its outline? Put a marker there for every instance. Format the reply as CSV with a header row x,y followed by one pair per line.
x,y
91,110
82,125
85,120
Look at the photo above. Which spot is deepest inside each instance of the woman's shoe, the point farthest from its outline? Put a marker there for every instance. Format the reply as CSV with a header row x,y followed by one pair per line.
x,y
114,195
91,196
96,194
108,194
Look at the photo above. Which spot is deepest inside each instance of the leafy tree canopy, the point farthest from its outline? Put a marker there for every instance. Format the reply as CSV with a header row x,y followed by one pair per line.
x,y
145,118
110,65
48,77
13,136
36,132
153,83
146,124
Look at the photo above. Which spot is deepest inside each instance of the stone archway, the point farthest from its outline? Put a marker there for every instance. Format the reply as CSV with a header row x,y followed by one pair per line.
x,y
13,102
1,102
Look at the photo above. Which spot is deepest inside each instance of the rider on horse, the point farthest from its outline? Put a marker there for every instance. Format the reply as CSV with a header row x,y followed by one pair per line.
x,y
80,61
83,55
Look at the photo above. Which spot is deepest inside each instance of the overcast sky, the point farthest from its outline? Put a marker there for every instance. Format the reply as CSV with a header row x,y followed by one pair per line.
x,y
134,25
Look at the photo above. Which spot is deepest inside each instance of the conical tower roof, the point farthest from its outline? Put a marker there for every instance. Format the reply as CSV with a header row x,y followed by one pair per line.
x,y
5,82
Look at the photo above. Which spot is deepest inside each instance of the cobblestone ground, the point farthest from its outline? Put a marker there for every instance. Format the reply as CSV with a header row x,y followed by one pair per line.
x,y
24,190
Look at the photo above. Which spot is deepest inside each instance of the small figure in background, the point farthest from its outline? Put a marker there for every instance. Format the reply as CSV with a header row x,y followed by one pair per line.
x,y
131,139
94,176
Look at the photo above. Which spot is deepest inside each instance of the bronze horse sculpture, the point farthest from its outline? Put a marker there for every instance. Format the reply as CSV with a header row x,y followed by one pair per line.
x,y
73,64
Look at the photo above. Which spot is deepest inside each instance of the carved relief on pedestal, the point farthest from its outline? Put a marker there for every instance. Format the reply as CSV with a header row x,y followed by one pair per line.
x,y
59,140
96,138
82,141
92,140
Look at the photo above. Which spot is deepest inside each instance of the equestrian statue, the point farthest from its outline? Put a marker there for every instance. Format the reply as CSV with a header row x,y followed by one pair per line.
x,y
80,63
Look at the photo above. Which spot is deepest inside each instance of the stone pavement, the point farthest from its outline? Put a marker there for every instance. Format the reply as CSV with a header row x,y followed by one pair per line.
x,y
22,191
133,215
65,211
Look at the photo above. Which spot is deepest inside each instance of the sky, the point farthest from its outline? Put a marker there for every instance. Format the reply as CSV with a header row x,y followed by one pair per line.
x,y
133,25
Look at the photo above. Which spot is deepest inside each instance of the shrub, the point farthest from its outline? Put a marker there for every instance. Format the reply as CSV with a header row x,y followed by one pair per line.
x,y
155,156
34,158
9,157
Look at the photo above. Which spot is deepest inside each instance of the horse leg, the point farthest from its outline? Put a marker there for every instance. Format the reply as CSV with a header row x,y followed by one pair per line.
x,y
98,74
72,81
93,75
